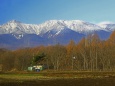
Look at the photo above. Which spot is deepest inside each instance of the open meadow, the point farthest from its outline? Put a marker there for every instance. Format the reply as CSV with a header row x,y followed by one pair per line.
x,y
58,79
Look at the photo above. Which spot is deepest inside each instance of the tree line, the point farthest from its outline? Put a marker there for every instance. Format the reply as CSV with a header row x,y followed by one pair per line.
x,y
90,54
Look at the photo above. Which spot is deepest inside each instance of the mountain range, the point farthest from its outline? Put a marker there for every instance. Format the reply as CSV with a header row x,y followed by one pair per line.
x,y
15,34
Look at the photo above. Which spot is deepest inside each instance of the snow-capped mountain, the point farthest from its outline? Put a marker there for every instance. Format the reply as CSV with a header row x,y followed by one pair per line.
x,y
108,26
17,27
15,33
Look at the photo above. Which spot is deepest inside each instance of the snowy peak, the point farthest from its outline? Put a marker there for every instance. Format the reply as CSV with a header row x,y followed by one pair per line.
x,y
16,27
75,25
14,21
81,26
51,25
108,26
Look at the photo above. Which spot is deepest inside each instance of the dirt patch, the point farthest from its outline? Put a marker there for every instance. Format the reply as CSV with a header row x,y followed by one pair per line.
x,y
63,82
58,79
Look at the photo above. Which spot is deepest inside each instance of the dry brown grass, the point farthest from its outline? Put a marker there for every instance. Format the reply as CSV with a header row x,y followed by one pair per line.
x,y
65,78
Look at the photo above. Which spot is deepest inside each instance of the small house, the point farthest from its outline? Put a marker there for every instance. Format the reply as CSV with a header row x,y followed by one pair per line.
x,y
30,68
36,68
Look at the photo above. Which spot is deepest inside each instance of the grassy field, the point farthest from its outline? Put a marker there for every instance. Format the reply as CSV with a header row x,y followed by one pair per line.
x,y
58,79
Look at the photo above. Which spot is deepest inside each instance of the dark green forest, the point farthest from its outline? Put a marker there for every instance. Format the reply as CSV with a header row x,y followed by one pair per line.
x,y
90,54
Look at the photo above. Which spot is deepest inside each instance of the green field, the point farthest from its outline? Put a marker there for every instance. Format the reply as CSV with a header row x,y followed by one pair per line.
x,y
58,79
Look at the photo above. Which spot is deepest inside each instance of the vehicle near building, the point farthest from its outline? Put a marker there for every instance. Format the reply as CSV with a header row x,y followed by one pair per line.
x,y
36,68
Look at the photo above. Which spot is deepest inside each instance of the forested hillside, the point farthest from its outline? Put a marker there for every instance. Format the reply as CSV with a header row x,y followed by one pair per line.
x,y
90,54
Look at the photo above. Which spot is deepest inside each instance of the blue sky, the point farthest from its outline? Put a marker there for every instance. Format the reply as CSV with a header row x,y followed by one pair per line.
x,y
39,11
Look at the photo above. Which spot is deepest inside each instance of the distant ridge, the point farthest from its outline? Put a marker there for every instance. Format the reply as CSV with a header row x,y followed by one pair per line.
x,y
50,32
